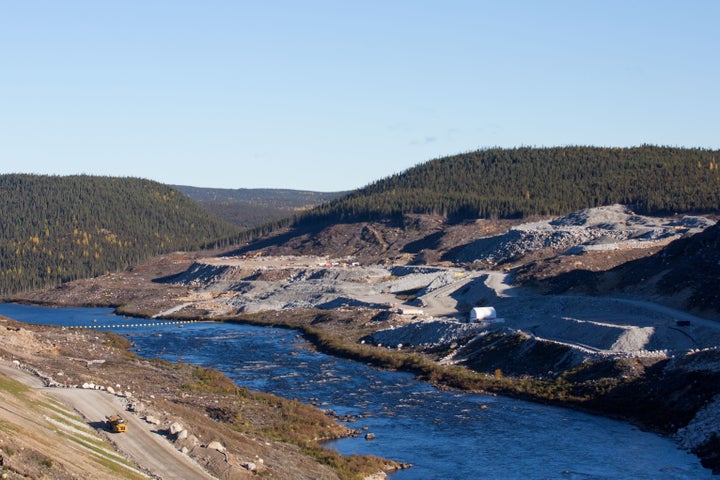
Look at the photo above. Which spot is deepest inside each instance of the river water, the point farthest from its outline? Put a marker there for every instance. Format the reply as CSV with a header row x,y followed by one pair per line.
x,y
445,435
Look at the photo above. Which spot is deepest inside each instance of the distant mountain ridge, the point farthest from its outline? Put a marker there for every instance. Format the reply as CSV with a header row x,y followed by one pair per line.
x,y
252,207
61,228
270,197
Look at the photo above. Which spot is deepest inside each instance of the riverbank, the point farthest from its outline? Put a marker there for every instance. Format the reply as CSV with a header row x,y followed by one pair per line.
x,y
230,431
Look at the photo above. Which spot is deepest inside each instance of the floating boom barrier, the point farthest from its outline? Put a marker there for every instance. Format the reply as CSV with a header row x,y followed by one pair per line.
x,y
96,326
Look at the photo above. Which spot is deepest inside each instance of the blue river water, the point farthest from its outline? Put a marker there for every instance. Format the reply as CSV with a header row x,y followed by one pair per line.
x,y
444,434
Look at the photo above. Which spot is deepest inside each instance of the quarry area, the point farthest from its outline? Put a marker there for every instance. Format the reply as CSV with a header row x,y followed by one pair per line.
x,y
431,305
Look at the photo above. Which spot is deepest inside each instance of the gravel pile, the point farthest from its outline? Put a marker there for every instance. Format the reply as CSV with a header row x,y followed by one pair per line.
x,y
608,227
426,333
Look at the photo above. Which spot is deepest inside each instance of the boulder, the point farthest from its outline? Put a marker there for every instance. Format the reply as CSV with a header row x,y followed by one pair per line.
x,y
215,445
175,428
182,435
369,436
152,420
376,476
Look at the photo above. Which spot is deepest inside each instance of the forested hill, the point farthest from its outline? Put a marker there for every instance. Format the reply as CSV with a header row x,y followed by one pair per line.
x,y
268,197
252,207
522,182
56,229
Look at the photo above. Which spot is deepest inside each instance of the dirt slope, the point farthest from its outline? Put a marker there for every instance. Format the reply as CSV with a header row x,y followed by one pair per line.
x,y
156,455
42,438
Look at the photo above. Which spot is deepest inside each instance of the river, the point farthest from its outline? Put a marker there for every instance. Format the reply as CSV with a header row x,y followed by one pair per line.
x,y
444,434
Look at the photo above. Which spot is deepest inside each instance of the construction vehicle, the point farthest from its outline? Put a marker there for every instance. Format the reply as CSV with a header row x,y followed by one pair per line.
x,y
115,423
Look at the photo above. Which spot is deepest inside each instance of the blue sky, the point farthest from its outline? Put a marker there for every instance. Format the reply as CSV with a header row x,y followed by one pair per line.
x,y
332,95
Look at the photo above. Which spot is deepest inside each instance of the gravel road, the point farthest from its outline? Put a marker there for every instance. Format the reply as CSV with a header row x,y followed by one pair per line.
x,y
21,376
147,449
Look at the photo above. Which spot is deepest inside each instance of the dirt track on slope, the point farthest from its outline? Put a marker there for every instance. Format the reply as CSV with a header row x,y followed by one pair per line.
x,y
21,376
147,449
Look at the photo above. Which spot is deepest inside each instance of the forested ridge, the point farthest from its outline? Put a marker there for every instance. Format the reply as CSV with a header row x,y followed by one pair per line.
x,y
61,228
522,182
268,197
253,207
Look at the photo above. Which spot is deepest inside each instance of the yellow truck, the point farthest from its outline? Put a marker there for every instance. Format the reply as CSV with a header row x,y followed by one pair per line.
x,y
115,423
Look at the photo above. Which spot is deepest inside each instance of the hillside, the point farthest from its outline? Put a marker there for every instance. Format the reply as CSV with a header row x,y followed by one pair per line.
x,y
57,229
686,270
522,182
252,207
41,438
63,228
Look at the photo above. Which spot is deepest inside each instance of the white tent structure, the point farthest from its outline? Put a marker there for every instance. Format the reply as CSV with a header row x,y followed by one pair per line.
x,y
484,314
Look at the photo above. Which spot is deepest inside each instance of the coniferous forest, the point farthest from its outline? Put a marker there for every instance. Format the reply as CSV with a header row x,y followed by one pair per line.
x,y
56,229
521,182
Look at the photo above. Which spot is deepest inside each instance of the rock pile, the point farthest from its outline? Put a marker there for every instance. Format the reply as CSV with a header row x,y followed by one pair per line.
x,y
702,428
610,227
426,333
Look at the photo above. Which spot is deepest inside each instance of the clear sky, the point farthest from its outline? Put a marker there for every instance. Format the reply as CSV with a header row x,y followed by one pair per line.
x,y
332,95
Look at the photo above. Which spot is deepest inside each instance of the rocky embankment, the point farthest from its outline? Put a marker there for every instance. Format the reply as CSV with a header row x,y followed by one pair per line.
x,y
701,435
